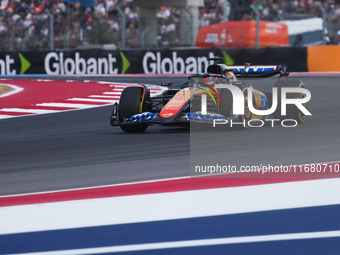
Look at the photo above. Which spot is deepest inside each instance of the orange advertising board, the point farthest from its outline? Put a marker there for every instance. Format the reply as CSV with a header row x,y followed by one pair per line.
x,y
242,34
323,58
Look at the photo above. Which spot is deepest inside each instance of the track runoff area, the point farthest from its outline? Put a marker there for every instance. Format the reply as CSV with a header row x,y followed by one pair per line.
x,y
182,215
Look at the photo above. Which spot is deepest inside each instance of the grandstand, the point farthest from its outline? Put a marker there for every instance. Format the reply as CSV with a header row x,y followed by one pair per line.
x,y
71,24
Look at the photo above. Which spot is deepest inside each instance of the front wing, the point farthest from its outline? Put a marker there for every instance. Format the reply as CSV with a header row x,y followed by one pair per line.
x,y
155,118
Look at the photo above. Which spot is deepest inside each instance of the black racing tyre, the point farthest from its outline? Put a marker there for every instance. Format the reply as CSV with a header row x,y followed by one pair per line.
x,y
292,112
247,114
129,105
227,102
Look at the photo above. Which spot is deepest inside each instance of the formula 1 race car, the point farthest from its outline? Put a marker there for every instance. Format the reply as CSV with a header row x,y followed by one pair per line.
x,y
219,96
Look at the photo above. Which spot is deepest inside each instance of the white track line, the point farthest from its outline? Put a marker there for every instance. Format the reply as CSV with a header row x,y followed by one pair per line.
x,y
91,100
112,93
101,186
102,96
67,105
37,111
168,206
6,116
191,243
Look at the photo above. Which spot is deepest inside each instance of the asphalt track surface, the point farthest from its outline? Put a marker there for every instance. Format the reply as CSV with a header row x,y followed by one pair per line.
x,y
80,149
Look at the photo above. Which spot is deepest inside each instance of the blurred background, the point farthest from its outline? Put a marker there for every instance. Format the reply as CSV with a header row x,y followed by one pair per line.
x,y
136,24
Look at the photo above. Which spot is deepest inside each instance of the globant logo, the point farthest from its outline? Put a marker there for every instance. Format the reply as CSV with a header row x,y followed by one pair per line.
x,y
56,63
155,63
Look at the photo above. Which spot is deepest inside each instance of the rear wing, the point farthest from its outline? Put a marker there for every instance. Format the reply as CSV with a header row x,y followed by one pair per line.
x,y
248,71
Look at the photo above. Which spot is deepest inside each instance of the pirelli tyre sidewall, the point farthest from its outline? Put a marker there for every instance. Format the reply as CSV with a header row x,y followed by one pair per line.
x,y
292,112
131,103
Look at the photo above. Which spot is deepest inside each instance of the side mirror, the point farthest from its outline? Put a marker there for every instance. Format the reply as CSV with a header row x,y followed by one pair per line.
x,y
185,85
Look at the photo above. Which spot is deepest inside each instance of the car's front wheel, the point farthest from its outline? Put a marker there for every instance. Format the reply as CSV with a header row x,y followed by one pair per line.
x,y
131,103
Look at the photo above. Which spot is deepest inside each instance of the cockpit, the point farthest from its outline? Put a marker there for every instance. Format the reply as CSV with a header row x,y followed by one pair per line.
x,y
206,80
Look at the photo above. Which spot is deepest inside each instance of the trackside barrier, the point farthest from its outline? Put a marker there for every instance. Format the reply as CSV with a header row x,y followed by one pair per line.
x,y
99,61
242,34
164,61
323,58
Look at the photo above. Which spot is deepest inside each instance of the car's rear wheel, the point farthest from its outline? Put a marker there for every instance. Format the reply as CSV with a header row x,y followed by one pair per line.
x,y
227,102
130,104
292,111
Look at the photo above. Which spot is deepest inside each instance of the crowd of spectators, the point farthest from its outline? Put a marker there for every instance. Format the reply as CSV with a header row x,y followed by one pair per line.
x,y
168,26
273,10
276,10
25,25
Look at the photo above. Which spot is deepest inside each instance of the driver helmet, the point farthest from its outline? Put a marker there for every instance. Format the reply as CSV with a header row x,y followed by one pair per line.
x,y
210,80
